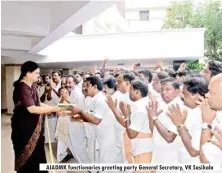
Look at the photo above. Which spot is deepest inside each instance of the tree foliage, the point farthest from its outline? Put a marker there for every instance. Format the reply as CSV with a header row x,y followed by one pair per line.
x,y
207,14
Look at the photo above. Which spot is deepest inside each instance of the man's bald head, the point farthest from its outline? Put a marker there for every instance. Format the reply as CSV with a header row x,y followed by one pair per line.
x,y
215,92
217,79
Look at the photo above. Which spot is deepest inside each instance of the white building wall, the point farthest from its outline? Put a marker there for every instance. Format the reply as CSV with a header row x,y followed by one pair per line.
x,y
181,43
155,22
127,18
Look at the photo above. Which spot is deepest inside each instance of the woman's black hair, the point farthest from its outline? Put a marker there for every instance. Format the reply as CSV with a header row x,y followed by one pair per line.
x,y
28,66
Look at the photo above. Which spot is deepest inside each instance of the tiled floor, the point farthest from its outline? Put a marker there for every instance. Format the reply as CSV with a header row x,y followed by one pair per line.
x,y
7,154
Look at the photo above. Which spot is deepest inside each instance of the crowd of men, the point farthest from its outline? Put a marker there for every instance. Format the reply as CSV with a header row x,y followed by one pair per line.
x,y
139,116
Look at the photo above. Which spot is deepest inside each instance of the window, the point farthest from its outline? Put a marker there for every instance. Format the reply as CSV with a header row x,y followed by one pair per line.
x,y
144,15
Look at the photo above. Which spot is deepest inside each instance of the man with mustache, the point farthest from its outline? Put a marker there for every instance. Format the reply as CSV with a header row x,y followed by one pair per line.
x,y
76,129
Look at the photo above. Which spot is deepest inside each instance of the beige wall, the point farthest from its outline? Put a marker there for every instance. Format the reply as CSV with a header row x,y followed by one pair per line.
x,y
45,71
3,88
49,71
11,74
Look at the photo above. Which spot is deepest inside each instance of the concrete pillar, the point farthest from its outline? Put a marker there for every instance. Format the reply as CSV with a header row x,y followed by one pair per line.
x,y
71,71
12,73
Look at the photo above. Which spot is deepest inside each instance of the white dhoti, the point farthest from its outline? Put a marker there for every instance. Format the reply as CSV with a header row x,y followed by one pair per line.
x,y
61,151
164,155
119,144
62,134
77,142
52,121
107,152
90,141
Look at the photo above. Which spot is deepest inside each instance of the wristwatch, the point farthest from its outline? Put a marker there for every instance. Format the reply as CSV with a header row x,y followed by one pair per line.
x,y
206,126
180,126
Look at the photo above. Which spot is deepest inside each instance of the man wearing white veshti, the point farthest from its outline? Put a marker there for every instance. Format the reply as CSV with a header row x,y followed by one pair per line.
x,y
77,135
103,119
165,146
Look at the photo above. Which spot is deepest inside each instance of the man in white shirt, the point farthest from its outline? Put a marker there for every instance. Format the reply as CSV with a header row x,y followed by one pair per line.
x,y
79,79
53,99
165,147
102,117
91,149
188,121
137,124
109,86
156,85
123,86
146,76
77,134
212,68
56,77
211,151
46,98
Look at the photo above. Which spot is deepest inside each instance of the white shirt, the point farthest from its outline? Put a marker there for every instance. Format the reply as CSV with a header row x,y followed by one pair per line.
x,y
89,127
80,84
161,146
105,130
151,89
126,98
88,101
193,124
77,97
155,94
55,98
140,123
117,95
218,119
212,152
119,129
